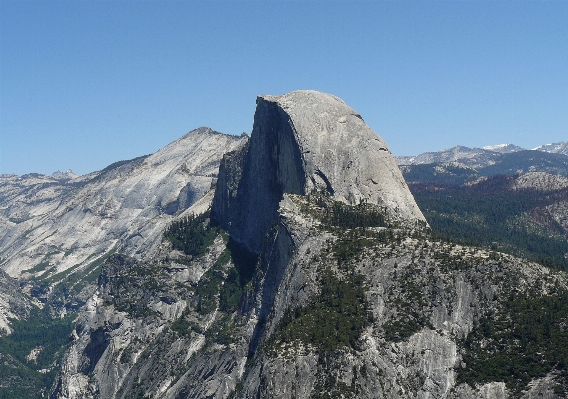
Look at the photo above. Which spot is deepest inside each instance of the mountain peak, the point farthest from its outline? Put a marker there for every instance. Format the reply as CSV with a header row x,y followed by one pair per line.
x,y
503,148
555,148
67,175
301,142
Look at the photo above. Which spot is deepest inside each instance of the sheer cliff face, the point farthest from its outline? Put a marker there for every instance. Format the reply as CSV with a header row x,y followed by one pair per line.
x,y
302,142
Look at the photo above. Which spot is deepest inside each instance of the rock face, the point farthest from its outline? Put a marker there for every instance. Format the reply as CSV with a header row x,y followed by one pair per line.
x,y
13,304
302,142
50,225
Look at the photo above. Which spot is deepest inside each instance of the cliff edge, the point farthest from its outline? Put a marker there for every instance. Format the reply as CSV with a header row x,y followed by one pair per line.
x,y
301,142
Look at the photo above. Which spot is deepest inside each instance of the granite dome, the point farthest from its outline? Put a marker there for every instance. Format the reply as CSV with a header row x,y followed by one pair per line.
x,y
305,141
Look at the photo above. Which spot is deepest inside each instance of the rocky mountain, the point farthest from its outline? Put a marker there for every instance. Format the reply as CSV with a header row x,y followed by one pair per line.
x,y
315,275
67,175
471,157
554,148
57,231
61,229
327,149
502,158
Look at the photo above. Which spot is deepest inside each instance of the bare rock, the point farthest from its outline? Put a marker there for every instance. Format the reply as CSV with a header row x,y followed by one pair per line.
x,y
301,142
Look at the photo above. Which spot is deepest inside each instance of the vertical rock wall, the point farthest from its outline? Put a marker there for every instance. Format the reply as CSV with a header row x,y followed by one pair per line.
x,y
305,141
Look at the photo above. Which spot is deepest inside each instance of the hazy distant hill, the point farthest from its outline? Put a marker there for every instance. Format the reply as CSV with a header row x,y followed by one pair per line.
x,y
444,173
525,215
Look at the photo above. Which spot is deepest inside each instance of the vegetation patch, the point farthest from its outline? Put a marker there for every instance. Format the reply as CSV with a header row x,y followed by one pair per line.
x,y
337,214
335,319
222,331
130,285
526,338
192,235
490,216
20,375
226,283
184,327
44,264
408,298
352,242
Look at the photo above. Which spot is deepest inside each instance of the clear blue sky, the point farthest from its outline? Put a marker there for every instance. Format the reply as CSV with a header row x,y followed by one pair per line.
x,y
87,83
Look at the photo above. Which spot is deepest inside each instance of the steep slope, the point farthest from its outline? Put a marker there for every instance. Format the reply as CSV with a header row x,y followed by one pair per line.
x,y
13,304
314,294
57,231
52,228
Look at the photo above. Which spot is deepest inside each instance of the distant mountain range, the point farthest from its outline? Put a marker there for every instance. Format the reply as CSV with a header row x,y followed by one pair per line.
x,y
503,196
477,157
459,164
525,215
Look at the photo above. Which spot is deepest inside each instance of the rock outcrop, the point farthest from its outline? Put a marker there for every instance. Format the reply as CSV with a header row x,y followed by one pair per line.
x,y
304,142
540,181
13,303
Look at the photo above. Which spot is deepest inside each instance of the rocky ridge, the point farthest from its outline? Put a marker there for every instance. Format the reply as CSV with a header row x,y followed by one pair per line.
x,y
471,157
503,148
54,227
554,148
495,159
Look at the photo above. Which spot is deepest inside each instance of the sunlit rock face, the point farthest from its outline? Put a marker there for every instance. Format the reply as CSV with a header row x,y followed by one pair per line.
x,y
50,225
302,142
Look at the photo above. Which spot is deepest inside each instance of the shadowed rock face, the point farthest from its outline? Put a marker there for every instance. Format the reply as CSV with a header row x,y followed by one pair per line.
x,y
304,141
